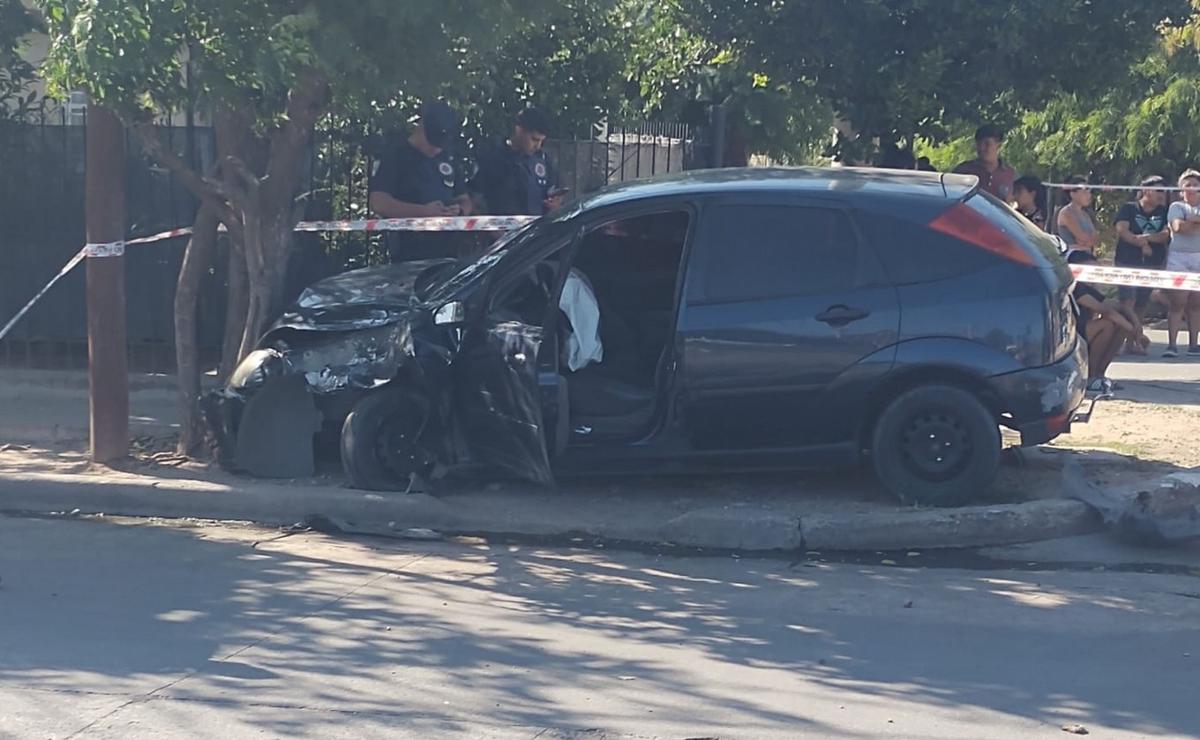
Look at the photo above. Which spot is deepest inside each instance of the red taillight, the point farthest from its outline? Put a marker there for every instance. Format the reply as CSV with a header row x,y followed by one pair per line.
x,y
965,223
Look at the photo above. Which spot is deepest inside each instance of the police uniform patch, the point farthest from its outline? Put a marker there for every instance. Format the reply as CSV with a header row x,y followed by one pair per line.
x,y
446,169
539,169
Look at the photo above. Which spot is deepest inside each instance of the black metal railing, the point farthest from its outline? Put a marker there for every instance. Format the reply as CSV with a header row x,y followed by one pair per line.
x,y
42,222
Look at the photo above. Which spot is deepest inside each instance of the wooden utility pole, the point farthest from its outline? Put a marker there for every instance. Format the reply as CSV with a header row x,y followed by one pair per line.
x,y
108,367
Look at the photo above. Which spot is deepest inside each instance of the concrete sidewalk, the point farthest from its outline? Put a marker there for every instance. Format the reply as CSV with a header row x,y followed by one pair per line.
x,y
735,513
45,413
51,406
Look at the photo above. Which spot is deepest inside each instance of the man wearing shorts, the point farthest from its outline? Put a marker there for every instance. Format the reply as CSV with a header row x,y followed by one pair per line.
x,y
1184,219
1142,237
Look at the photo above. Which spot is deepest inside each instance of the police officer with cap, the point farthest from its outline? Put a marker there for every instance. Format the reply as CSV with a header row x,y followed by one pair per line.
x,y
420,179
517,178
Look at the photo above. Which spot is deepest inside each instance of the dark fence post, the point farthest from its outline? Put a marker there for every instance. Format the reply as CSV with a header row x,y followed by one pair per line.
x,y
719,118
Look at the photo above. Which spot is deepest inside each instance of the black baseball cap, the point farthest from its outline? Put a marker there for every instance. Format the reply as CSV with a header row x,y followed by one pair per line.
x,y
439,121
534,121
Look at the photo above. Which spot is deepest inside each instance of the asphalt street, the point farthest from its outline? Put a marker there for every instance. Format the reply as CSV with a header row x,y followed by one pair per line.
x,y
127,629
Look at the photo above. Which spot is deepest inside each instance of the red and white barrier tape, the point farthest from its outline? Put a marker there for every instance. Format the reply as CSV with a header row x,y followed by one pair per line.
x,y
1109,188
1137,278
116,249
451,223
161,235
106,249
53,281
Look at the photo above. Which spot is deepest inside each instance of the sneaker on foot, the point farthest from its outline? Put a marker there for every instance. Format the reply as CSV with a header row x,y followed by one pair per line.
x,y
1171,352
1194,351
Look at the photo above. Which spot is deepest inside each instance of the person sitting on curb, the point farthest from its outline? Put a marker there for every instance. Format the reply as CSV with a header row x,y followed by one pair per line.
x,y
1103,324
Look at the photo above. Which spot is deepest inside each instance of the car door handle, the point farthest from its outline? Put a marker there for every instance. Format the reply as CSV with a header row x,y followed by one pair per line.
x,y
839,316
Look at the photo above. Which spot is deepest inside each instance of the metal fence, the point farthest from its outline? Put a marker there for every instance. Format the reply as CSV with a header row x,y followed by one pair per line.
x,y
42,222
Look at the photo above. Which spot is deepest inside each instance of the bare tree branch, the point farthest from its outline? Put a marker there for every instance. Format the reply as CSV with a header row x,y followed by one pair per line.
x,y
207,189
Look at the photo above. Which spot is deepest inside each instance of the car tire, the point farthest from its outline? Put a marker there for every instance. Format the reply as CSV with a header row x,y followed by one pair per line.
x,y
385,441
936,445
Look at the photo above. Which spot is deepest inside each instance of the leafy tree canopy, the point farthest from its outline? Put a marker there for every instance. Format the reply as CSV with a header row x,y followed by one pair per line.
x,y
130,54
16,74
907,68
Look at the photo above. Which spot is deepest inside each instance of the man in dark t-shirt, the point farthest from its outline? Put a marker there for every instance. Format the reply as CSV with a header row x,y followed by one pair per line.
x,y
1142,238
517,178
1142,234
420,178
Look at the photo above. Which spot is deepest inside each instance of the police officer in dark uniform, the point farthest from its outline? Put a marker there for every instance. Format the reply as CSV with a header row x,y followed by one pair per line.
x,y
517,178
420,179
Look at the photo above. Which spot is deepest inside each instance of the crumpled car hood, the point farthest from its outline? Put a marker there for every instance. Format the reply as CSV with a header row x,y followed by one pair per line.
x,y
361,299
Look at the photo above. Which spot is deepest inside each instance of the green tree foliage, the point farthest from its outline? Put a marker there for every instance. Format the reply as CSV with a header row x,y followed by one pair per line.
x,y
1145,123
901,69
1142,122
569,61
16,74
680,70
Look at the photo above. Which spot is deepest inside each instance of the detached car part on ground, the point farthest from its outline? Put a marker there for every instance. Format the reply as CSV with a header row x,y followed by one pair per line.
x,y
751,319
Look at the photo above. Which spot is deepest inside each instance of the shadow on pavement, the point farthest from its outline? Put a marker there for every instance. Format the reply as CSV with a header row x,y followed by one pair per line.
x,y
442,636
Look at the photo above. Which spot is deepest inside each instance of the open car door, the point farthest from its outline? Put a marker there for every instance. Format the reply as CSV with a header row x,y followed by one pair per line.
x,y
501,401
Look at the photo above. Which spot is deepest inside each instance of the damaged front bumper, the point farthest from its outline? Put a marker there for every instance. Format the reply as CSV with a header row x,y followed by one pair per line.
x,y
263,421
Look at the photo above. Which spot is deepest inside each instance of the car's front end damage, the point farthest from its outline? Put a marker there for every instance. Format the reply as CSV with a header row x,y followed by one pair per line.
x,y
344,338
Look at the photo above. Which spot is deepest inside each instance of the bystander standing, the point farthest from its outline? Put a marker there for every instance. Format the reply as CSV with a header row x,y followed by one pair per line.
x,y
517,177
1075,223
994,175
420,179
1184,219
1142,237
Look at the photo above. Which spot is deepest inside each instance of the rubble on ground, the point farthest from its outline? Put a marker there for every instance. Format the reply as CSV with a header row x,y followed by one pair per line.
x,y
1164,511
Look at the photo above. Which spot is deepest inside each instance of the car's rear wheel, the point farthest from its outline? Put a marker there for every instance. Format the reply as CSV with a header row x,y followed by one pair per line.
x,y
386,441
936,445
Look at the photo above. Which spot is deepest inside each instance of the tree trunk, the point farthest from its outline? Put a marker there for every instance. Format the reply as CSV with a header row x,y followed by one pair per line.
x,y
235,138
196,260
254,198
268,204
237,300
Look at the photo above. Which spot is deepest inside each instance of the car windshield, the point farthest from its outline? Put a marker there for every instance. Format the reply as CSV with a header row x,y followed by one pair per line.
x,y
510,243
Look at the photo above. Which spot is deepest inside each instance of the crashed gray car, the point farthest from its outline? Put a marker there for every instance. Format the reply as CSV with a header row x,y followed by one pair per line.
x,y
764,318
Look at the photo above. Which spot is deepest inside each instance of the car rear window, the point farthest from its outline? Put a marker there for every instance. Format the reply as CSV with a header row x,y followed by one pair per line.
x,y
913,253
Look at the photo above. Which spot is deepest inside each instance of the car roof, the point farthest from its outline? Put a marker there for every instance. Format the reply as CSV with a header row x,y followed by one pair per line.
x,y
839,182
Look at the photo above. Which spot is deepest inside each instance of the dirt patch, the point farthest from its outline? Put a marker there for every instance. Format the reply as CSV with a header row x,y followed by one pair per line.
x,y
1152,433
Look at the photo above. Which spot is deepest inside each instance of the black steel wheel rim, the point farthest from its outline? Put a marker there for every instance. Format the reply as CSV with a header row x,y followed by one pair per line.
x,y
936,445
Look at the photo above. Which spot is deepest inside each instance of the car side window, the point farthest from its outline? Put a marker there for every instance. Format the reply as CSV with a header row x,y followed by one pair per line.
x,y
750,252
